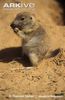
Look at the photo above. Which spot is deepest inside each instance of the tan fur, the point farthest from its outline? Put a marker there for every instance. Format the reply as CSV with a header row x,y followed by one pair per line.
x,y
36,42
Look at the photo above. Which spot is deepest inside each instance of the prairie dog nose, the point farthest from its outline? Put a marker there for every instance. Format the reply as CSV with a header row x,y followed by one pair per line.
x,y
14,24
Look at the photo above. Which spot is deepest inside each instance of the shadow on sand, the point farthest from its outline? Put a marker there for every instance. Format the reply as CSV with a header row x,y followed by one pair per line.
x,y
62,6
14,53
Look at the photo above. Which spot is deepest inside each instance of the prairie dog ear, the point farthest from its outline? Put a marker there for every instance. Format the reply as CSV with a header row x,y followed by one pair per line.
x,y
33,19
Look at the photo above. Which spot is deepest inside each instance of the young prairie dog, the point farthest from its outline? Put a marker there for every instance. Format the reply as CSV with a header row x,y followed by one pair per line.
x,y
35,39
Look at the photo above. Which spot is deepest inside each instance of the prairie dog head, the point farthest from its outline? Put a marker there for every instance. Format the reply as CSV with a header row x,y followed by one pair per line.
x,y
24,23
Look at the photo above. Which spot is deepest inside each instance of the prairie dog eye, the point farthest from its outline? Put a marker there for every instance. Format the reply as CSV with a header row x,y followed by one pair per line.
x,y
22,18
30,17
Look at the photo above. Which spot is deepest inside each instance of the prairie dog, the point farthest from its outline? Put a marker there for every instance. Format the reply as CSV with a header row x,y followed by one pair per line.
x,y
35,39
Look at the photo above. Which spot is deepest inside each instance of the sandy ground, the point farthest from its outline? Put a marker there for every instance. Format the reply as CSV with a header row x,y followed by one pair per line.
x,y
48,78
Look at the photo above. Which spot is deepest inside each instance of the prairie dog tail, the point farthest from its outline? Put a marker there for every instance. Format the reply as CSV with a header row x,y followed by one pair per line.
x,y
52,53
